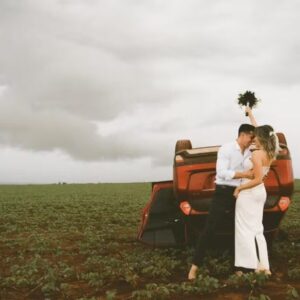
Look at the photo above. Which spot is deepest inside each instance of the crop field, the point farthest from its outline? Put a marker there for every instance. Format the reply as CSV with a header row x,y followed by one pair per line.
x,y
66,241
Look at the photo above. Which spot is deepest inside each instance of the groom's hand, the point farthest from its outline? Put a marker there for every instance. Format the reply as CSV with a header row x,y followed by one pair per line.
x,y
236,192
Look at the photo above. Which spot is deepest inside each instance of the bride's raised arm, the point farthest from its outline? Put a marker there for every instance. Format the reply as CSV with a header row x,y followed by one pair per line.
x,y
251,116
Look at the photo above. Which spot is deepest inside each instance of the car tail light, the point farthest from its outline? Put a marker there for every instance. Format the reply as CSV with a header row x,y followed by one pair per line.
x,y
178,159
185,207
284,203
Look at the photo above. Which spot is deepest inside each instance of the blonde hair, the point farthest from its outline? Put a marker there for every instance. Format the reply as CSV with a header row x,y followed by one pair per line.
x,y
268,140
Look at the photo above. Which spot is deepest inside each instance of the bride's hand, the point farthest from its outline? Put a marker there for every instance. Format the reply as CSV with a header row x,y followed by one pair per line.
x,y
249,113
236,192
248,110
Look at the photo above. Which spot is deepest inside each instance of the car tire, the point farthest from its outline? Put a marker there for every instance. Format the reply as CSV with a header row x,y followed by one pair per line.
x,y
281,138
183,145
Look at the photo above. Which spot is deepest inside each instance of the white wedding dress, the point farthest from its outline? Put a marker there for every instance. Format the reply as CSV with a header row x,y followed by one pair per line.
x,y
248,226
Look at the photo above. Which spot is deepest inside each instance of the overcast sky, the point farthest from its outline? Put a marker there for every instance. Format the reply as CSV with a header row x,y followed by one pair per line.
x,y
100,91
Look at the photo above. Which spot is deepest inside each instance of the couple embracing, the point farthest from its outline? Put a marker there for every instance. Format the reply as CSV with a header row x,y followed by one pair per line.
x,y
240,187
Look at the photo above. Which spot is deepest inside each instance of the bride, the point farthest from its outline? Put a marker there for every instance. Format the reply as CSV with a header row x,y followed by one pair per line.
x,y
251,196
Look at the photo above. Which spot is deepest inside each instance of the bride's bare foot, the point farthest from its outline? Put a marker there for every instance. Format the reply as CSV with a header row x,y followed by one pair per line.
x,y
193,272
239,273
265,271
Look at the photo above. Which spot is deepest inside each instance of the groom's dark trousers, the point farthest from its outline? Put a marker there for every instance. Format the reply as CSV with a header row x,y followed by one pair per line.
x,y
222,201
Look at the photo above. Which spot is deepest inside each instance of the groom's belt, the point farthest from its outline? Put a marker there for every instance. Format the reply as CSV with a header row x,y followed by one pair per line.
x,y
223,187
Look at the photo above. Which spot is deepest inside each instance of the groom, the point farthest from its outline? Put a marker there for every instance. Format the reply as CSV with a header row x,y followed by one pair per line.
x,y
230,171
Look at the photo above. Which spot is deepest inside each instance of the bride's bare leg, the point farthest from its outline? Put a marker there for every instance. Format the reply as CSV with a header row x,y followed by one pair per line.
x,y
193,272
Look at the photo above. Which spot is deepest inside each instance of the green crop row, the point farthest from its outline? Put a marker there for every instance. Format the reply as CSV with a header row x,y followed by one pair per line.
x,y
79,242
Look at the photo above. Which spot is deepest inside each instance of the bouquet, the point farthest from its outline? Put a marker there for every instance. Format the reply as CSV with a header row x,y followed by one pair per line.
x,y
247,99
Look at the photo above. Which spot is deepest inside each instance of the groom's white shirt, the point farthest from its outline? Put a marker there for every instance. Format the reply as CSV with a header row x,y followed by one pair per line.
x,y
230,160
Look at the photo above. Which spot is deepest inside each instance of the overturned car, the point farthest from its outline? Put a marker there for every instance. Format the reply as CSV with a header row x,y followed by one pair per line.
x,y
177,210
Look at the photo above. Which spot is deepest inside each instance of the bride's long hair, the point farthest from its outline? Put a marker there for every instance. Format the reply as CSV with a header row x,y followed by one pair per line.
x,y
268,140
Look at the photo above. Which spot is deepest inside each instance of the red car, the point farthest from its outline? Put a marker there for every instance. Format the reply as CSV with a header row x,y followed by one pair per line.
x,y
177,210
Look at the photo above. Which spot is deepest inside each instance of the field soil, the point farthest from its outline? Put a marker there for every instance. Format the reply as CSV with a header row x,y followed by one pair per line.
x,y
66,241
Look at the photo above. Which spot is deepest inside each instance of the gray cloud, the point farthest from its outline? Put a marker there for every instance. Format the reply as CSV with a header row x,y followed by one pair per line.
x,y
106,80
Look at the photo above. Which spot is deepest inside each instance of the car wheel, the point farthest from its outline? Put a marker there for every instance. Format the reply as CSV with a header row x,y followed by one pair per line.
x,y
281,138
183,145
